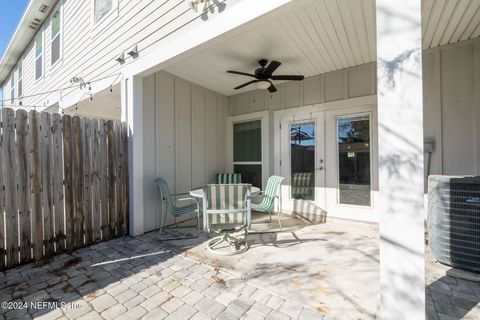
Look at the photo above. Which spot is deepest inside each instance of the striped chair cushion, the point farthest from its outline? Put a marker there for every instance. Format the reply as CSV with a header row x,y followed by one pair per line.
x,y
228,198
271,191
226,178
302,184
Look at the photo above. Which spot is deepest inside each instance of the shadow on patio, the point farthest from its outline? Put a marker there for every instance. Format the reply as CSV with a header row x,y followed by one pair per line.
x,y
323,266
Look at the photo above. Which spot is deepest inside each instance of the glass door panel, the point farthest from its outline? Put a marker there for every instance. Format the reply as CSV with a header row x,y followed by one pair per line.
x,y
302,160
353,134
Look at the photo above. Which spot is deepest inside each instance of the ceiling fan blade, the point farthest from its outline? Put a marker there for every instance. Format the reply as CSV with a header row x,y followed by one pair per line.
x,y
287,77
245,84
241,73
272,88
272,67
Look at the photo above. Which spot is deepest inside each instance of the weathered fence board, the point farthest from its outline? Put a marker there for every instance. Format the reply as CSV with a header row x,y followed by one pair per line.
x,y
124,146
112,212
2,202
63,184
87,164
95,170
118,178
103,179
24,187
58,192
68,184
37,218
11,217
78,181
47,183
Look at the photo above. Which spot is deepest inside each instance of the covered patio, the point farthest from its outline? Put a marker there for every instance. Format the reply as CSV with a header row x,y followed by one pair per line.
x,y
365,106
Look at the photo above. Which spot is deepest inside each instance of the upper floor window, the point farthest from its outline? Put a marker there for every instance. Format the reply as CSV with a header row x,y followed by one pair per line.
x,y
56,37
20,79
12,90
39,55
101,8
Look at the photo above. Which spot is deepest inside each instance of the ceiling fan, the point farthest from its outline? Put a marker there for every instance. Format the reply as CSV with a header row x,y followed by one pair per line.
x,y
264,75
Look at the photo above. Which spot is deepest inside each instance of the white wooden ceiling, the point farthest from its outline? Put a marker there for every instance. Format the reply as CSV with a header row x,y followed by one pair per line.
x,y
318,37
449,21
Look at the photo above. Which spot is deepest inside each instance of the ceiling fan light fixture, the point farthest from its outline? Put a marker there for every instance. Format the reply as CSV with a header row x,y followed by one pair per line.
x,y
262,85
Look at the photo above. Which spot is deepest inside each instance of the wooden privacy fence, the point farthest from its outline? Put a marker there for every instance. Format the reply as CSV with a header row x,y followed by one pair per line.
x,y
65,184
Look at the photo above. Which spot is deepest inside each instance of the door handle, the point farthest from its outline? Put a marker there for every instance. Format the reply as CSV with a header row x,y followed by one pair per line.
x,y
321,165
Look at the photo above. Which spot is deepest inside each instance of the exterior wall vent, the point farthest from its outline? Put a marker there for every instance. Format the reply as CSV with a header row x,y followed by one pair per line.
x,y
43,8
454,220
35,23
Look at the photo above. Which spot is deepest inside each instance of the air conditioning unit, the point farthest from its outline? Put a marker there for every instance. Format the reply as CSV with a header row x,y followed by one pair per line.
x,y
454,220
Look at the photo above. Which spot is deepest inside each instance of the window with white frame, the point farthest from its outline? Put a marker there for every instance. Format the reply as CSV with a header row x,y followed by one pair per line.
x,y
12,90
56,36
39,55
101,8
247,151
20,79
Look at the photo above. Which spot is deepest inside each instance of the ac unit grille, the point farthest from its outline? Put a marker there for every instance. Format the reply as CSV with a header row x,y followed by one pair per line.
x,y
454,220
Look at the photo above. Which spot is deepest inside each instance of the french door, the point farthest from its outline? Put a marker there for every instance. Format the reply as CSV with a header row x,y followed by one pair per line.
x,y
302,162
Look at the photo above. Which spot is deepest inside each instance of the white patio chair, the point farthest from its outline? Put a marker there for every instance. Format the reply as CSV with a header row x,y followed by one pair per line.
x,y
227,207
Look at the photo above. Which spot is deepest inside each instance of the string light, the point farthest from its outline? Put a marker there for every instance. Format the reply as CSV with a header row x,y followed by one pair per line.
x,y
62,89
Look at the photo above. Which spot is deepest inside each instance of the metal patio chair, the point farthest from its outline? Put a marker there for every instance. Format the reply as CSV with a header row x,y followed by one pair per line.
x,y
170,206
268,198
227,208
226,178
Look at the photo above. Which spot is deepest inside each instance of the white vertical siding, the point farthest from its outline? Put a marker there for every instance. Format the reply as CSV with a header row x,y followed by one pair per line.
x,y
198,136
452,104
183,138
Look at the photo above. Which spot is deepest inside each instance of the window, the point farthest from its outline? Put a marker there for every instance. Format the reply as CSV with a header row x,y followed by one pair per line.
x,y
20,79
247,151
353,134
12,90
56,36
101,8
39,55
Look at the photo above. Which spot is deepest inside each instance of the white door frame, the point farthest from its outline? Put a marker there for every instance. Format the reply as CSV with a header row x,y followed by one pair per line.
x,y
332,110
318,118
362,213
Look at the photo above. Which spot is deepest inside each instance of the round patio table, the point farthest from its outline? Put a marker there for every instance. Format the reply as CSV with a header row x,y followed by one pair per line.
x,y
198,193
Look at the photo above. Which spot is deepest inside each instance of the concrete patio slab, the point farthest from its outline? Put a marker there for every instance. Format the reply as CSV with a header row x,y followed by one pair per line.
x,y
330,267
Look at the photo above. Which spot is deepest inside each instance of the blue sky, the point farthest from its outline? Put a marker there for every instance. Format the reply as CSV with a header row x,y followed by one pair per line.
x,y
11,13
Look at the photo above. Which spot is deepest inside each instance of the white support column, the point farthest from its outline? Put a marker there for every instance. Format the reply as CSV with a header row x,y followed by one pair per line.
x,y
400,132
132,112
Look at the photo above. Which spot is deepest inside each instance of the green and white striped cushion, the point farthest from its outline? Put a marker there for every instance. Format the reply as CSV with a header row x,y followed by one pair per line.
x,y
302,184
271,191
229,178
230,198
170,202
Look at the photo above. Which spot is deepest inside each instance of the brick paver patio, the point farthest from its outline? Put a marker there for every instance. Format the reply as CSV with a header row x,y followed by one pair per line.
x,y
129,278
139,278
